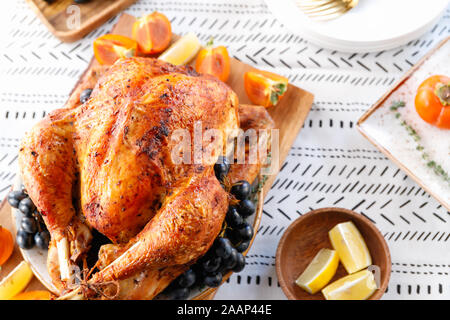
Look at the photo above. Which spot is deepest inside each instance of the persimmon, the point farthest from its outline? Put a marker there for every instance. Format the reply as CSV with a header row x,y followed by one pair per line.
x,y
152,32
111,47
33,295
214,61
6,244
265,88
433,101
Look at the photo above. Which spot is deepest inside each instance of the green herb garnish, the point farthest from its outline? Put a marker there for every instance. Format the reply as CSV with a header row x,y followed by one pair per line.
x,y
437,168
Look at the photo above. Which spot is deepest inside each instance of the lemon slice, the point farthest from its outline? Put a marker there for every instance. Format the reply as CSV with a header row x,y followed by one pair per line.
x,y
15,281
357,286
182,51
319,271
350,246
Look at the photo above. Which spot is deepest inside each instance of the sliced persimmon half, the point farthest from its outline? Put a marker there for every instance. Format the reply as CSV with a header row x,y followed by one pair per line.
x,y
265,88
214,61
33,295
152,32
111,47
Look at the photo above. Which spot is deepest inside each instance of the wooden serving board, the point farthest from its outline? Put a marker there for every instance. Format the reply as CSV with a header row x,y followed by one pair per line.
x,y
92,15
289,116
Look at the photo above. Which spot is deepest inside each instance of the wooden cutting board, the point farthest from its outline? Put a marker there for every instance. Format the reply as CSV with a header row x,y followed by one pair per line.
x,y
59,16
289,116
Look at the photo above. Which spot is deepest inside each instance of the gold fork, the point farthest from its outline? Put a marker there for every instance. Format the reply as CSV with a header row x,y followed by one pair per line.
x,y
325,9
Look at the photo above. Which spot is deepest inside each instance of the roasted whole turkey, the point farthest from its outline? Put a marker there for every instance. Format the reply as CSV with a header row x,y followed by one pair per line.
x,y
107,164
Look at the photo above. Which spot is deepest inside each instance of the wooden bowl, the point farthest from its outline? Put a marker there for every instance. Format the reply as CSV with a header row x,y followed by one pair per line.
x,y
309,233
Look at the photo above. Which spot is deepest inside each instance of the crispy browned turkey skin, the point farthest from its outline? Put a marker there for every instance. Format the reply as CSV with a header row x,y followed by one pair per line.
x,y
107,164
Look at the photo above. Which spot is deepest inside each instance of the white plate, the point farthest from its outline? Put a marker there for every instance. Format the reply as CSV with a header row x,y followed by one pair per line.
x,y
373,25
383,129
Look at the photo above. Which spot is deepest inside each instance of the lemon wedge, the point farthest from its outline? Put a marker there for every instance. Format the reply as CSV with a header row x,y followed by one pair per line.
x,y
350,246
182,51
319,271
357,286
15,281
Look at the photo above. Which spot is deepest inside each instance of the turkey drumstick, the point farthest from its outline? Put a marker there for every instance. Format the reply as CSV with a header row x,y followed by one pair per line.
x,y
181,232
48,165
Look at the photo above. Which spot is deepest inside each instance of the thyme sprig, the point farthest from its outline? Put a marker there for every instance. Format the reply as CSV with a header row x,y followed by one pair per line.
x,y
397,104
437,168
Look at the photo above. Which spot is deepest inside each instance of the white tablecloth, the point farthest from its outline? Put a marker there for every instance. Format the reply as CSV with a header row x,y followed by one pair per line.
x,y
330,164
